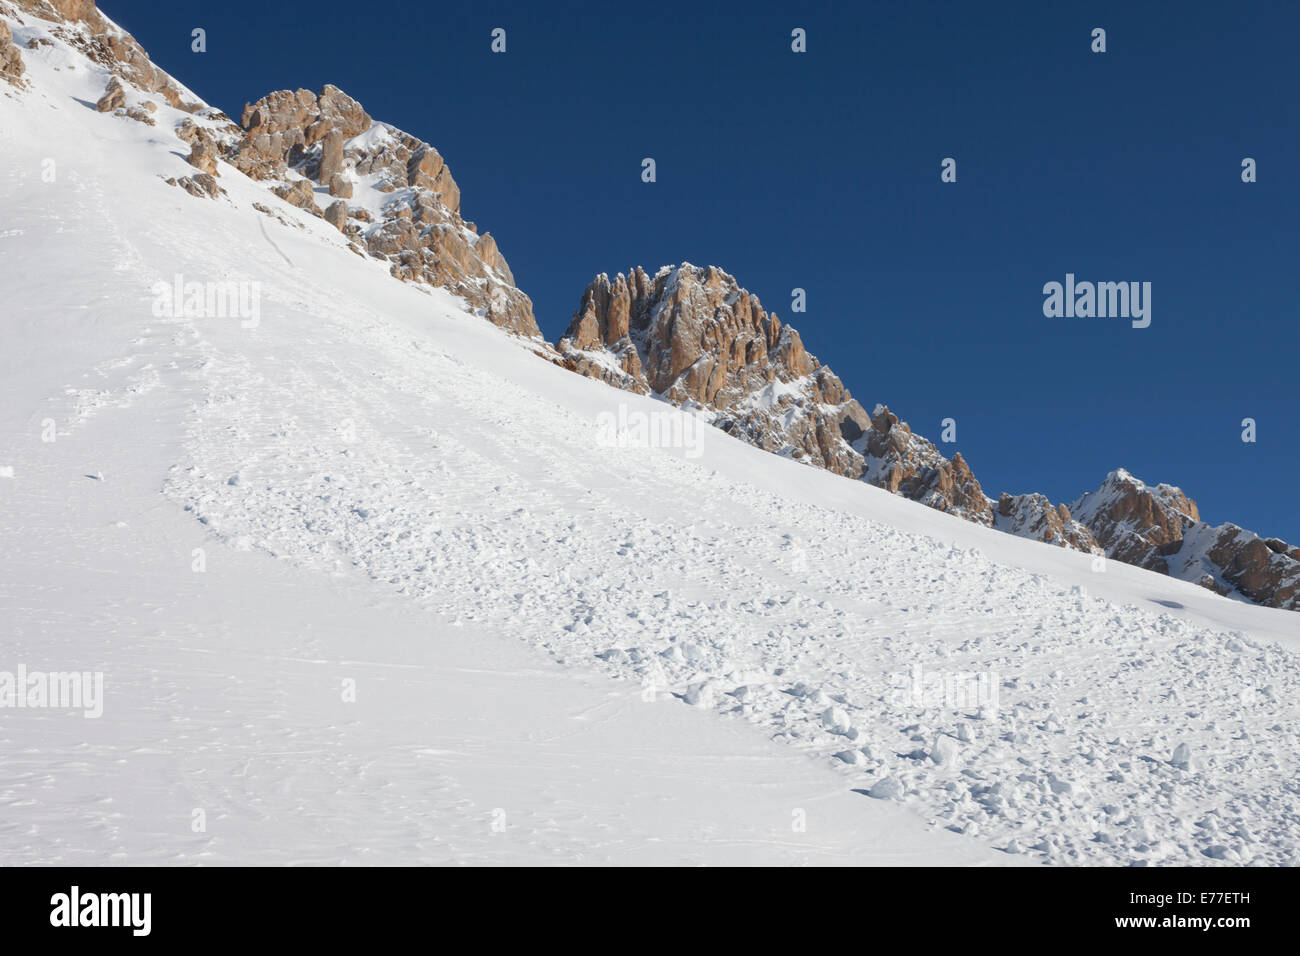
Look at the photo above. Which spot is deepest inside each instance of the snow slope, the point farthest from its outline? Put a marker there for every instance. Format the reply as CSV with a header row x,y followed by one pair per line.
x,y
599,650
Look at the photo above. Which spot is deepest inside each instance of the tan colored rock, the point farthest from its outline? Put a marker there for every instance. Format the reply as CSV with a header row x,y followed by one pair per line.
x,y
911,466
1136,523
331,158
336,214
423,167
1251,565
77,11
284,112
299,193
11,60
140,113
1160,528
200,185
693,335
82,26
203,151
420,231
1034,516
337,111
114,97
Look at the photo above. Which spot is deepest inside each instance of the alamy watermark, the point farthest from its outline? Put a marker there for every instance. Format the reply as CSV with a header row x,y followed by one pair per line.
x,y
628,428
208,300
53,690
1102,300
946,690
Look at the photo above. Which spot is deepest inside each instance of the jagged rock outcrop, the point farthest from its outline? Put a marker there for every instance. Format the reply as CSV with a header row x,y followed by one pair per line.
x,y
1034,516
1160,528
116,101
909,465
114,97
203,154
694,337
398,199
1257,567
401,203
200,184
1135,523
11,59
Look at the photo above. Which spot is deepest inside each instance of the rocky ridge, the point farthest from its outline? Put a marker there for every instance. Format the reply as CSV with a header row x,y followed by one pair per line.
x,y
693,337
1160,528
391,194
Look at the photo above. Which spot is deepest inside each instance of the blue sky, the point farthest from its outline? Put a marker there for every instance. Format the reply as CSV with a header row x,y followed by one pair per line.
x,y
821,171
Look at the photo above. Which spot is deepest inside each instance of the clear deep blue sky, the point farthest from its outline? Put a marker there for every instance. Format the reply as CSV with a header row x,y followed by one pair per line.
x,y
821,170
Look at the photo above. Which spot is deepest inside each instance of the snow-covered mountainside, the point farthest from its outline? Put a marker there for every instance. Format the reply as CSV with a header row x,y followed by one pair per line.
x,y
696,339
368,580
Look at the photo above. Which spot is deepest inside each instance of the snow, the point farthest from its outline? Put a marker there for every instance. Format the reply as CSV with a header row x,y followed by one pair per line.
x,y
557,654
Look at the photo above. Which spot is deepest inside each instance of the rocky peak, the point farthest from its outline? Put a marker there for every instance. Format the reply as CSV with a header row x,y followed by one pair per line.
x,y
392,194
693,336
1135,523
1160,528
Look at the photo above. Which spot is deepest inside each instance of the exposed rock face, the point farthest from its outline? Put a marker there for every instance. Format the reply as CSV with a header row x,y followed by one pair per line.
x,y
11,60
340,186
1160,528
1034,516
331,156
693,336
337,215
203,156
115,101
200,184
1135,523
114,97
909,465
1252,566
294,139
298,193
407,205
